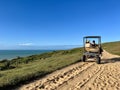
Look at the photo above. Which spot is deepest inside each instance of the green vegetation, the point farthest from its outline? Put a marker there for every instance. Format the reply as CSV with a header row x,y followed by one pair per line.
x,y
112,47
22,69
26,68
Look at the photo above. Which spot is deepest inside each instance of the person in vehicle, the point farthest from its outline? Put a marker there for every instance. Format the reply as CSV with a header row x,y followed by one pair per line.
x,y
94,44
87,44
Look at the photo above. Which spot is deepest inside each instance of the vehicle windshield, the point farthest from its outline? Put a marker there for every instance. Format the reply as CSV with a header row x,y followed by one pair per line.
x,y
92,40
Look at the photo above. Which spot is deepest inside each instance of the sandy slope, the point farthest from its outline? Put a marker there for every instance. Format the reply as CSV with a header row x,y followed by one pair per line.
x,y
82,76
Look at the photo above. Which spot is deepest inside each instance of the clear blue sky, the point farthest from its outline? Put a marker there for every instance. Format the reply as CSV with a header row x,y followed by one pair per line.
x,y
57,22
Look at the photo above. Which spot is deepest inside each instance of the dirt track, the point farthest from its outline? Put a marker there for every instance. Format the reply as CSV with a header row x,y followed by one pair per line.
x,y
82,76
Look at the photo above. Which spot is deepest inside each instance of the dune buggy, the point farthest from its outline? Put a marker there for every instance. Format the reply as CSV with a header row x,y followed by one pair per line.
x,y
92,49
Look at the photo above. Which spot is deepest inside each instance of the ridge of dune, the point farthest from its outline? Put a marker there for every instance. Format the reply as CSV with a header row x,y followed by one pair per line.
x,y
81,76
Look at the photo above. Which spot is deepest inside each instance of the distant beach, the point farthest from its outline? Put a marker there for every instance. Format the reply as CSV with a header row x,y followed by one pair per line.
x,y
10,54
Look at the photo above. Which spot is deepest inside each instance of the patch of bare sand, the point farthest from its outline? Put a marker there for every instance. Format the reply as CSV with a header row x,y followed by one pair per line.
x,y
81,76
107,55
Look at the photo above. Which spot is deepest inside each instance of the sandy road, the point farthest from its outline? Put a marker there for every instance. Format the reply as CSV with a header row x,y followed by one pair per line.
x,y
96,78
82,76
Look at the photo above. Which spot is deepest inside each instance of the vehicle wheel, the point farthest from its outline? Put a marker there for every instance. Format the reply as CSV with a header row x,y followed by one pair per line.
x,y
84,58
98,60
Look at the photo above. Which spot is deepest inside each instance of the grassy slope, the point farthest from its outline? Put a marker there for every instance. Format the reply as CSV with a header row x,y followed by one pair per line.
x,y
46,63
40,67
112,47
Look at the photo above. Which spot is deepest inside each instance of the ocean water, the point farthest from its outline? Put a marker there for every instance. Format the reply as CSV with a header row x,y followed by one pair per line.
x,y
10,54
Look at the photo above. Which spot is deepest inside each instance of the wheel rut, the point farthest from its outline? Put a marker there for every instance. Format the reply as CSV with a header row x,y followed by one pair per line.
x,y
82,76
62,79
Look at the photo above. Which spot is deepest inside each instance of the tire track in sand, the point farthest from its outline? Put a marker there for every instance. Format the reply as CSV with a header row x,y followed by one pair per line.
x,y
82,76
52,82
61,79
109,79
97,77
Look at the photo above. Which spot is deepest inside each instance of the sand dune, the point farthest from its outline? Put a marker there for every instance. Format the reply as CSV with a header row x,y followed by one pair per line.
x,y
82,76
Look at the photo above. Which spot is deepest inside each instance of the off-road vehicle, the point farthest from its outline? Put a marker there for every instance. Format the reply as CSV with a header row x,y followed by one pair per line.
x,y
92,49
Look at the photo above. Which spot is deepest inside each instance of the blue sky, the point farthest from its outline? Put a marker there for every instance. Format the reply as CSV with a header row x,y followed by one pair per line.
x,y
26,23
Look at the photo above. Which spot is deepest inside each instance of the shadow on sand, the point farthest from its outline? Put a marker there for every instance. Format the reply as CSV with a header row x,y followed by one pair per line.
x,y
105,61
112,60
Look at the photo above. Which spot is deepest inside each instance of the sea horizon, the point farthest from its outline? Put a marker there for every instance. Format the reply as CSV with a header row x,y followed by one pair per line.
x,y
24,52
11,54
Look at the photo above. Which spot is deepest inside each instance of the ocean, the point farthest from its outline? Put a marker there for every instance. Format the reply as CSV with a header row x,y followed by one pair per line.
x,y
10,54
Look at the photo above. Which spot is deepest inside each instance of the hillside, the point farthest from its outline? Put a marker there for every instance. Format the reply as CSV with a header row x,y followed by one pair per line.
x,y
82,76
22,69
112,47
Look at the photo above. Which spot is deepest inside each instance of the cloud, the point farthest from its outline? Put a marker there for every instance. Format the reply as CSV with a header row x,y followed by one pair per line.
x,y
25,44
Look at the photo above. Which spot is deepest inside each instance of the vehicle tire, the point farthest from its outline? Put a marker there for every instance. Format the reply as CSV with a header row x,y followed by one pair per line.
x,y
98,60
84,58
